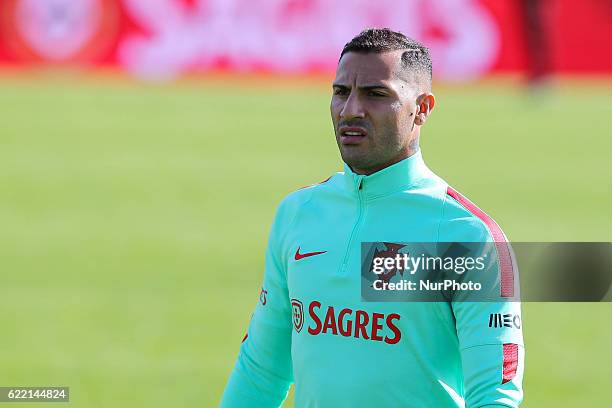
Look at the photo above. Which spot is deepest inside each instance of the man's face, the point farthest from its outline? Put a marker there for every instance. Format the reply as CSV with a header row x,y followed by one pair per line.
x,y
373,110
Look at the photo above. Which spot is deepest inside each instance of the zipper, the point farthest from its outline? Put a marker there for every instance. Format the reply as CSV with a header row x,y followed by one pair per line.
x,y
356,227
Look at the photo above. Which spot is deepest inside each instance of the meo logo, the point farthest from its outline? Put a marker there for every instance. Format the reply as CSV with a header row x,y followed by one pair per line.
x,y
505,320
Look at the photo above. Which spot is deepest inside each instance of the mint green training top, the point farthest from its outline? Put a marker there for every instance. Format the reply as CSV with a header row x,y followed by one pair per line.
x,y
311,328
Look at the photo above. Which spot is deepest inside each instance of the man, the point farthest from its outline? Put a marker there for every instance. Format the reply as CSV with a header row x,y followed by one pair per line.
x,y
311,326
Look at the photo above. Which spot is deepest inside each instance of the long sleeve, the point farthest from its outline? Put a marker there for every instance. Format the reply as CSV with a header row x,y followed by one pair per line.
x,y
492,352
489,325
263,371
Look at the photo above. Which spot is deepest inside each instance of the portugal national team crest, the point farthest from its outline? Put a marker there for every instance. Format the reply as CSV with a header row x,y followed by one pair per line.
x,y
298,314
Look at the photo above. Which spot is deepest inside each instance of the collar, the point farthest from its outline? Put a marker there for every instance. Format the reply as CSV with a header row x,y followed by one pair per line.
x,y
399,176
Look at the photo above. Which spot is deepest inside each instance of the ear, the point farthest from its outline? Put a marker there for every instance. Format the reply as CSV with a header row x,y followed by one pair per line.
x,y
425,104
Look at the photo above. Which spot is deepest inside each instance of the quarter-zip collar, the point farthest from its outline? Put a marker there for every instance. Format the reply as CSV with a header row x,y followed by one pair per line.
x,y
399,176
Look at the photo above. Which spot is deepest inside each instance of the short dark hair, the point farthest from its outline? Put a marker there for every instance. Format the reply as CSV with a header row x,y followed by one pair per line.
x,y
415,58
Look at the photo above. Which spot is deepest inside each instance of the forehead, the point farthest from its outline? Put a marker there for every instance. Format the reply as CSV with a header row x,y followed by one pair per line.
x,y
361,68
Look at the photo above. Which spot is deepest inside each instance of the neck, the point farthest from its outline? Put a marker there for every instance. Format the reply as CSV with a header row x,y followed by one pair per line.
x,y
408,151
379,167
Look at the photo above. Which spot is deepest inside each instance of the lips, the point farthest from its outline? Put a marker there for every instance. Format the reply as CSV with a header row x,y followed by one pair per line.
x,y
350,135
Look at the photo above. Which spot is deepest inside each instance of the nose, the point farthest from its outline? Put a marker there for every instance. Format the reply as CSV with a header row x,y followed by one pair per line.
x,y
352,107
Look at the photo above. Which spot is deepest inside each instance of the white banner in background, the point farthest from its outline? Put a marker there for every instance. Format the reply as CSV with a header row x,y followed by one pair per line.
x,y
56,29
300,35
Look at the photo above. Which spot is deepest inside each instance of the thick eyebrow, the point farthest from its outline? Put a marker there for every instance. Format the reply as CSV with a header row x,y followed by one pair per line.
x,y
365,88
375,88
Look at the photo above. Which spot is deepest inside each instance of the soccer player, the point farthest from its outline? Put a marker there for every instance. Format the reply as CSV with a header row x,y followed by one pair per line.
x,y
311,326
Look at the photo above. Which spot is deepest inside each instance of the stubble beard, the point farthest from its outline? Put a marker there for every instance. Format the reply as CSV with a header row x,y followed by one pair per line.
x,y
369,159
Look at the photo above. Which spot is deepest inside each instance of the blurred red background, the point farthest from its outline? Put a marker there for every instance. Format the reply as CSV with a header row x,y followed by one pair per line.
x,y
468,38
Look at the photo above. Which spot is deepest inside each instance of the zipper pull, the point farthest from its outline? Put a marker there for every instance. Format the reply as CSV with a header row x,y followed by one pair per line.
x,y
359,182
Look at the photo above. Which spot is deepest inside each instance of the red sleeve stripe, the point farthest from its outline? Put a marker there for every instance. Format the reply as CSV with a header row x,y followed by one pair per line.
x,y
501,243
316,184
510,362
245,337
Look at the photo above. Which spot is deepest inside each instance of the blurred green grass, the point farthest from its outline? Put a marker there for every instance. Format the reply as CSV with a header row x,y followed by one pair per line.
x,y
133,219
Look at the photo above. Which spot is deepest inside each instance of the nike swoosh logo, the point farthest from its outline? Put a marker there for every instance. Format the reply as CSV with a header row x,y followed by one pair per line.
x,y
299,256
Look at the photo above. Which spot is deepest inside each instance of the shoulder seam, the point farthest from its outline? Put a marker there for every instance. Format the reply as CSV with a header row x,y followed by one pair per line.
x,y
494,229
295,212
315,184
504,256
444,200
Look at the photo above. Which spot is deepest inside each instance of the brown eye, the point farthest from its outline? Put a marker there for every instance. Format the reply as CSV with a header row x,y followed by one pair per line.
x,y
340,91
